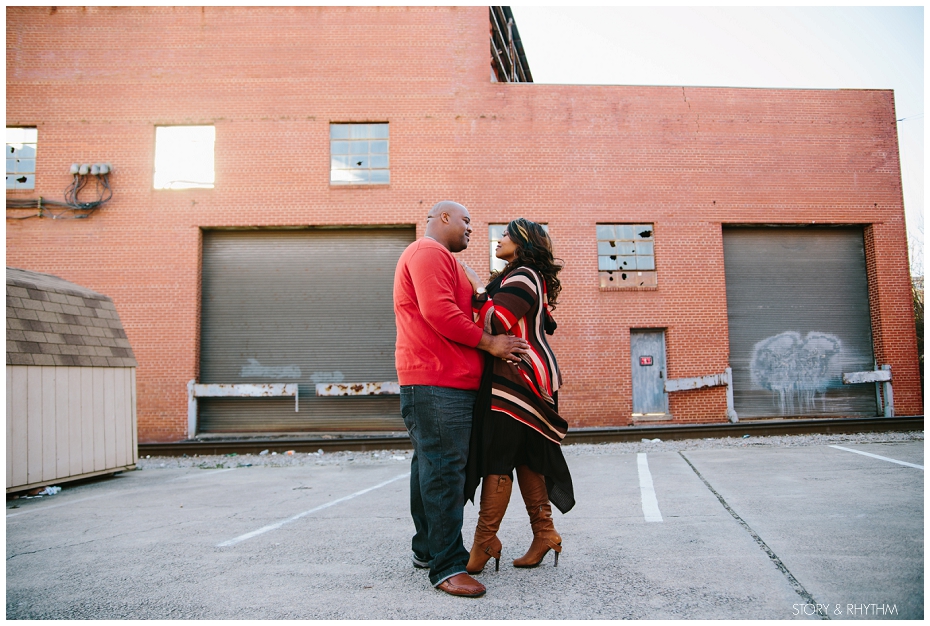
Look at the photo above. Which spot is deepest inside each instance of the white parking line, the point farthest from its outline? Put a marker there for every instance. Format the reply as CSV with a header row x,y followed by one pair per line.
x,y
875,456
650,504
277,525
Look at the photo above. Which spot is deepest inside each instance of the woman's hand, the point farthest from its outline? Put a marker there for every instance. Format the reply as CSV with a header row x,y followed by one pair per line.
x,y
472,275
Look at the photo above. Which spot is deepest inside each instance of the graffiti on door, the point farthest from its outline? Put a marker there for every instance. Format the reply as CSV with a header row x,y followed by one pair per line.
x,y
255,369
797,370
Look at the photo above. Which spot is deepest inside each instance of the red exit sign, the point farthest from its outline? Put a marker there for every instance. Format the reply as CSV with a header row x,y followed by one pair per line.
x,y
645,360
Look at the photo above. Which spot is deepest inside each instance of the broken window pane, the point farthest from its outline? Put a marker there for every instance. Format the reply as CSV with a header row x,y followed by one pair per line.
x,y
626,279
23,151
606,247
21,154
626,262
626,255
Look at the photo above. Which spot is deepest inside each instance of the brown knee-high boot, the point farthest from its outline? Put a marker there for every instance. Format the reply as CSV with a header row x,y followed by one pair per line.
x,y
495,496
536,498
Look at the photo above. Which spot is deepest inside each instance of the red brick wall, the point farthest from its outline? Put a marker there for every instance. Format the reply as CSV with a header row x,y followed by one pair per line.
x,y
95,81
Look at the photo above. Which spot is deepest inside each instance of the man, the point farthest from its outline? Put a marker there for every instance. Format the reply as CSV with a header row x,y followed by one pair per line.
x,y
439,365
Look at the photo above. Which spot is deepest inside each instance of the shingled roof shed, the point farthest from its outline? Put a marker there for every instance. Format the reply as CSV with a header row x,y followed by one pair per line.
x,y
71,383
51,321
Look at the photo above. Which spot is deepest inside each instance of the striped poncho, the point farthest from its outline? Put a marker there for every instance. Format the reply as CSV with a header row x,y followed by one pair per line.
x,y
524,391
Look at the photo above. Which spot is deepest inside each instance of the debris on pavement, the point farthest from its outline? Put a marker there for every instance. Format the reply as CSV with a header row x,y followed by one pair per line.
x,y
39,492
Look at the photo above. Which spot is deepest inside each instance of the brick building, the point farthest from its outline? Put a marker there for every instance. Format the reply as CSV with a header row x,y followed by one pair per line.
x,y
701,228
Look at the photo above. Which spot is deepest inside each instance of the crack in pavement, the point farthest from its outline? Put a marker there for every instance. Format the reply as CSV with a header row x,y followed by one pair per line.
x,y
84,543
794,582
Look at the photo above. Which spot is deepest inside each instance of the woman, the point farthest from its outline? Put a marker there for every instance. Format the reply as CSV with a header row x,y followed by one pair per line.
x,y
516,422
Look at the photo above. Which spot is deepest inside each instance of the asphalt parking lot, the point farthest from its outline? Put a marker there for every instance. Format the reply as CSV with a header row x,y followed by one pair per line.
x,y
766,532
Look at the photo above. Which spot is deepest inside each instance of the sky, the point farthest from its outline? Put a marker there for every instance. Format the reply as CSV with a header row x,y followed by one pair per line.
x,y
778,47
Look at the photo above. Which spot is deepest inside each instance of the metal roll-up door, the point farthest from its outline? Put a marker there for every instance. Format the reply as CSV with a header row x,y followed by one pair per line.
x,y
306,307
798,311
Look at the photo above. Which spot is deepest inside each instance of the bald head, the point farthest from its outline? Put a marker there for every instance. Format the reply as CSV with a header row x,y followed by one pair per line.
x,y
445,206
450,224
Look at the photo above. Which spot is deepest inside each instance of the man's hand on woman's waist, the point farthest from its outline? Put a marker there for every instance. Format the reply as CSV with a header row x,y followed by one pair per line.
x,y
506,347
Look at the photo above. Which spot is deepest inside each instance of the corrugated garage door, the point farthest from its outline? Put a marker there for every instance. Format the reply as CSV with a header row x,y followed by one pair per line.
x,y
305,306
798,310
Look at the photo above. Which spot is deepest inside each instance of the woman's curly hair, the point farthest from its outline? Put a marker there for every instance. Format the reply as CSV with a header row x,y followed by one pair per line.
x,y
534,248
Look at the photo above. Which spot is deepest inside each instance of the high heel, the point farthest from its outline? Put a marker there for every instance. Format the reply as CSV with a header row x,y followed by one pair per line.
x,y
538,551
480,554
545,538
495,496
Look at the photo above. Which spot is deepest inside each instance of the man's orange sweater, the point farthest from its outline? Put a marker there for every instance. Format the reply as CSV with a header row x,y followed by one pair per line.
x,y
436,334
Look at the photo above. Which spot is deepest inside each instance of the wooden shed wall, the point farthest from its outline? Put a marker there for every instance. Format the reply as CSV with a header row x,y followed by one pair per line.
x,y
68,423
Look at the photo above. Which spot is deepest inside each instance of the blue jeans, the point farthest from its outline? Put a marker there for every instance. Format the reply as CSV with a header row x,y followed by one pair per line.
x,y
439,422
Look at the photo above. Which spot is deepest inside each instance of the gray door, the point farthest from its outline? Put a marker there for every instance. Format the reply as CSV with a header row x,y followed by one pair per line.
x,y
648,351
306,307
798,312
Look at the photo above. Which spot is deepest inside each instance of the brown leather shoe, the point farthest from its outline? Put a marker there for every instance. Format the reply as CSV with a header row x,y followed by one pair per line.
x,y
462,585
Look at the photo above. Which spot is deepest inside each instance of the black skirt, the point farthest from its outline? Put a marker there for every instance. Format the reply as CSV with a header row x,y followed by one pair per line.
x,y
499,443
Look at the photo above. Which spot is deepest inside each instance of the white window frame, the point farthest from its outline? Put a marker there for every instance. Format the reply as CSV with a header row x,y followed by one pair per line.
x,y
359,154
